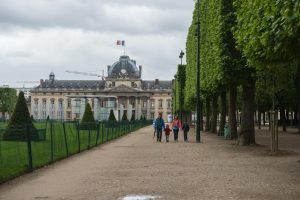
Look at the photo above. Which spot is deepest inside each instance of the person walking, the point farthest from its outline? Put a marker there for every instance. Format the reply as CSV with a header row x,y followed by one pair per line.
x,y
159,125
176,126
167,132
186,129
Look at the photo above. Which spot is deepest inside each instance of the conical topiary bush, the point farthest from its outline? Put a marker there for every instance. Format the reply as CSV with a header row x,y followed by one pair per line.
x,y
132,118
88,120
20,122
124,118
112,116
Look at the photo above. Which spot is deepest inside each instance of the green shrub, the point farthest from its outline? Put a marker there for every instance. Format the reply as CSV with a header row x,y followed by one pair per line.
x,y
124,118
88,120
112,116
132,117
20,122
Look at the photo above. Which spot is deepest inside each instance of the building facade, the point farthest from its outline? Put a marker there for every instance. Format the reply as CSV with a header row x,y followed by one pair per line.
x,y
122,91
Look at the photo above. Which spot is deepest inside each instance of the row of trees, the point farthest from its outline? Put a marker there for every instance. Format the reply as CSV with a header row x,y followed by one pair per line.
x,y
252,45
8,98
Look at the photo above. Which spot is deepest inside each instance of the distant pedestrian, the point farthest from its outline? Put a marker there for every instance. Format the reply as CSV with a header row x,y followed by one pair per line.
x,y
159,125
167,132
186,129
176,126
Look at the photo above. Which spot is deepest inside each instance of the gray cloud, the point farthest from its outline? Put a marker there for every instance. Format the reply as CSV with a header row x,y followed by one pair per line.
x,y
37,36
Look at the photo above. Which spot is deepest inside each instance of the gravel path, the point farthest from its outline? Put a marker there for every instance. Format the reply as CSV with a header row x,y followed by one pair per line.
x,y
136,164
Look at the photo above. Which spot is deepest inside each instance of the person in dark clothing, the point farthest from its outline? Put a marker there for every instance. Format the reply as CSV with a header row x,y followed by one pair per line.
x,y
186,129
167,132
159,125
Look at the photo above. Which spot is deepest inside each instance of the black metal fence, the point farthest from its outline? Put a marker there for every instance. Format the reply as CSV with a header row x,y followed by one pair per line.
x,y
28,148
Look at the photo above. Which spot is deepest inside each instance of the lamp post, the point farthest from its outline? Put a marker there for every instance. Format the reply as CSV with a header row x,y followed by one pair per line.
x,y
181,56
198,75
180,80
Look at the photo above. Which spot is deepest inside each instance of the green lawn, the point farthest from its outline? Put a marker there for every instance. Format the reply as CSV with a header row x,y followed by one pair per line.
x,y
14,154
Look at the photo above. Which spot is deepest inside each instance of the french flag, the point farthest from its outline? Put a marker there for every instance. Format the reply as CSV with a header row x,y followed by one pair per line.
x,y
121,42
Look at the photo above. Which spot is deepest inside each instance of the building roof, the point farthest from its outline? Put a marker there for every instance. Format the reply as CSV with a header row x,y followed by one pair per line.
x,y
72,84
156,84
124,67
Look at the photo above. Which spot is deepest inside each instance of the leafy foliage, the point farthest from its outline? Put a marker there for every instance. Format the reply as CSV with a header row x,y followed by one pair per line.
x,y
124,117
112,116
88,121
132,117
20,121
8,98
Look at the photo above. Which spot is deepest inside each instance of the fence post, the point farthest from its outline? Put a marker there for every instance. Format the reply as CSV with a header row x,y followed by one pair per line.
x,y
98,132
29,148
51,140
78,136
89,142
102,132
66,140
107,131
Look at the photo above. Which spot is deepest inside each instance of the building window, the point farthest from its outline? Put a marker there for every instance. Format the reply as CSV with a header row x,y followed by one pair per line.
x,y
160,103
93,103
44,104
152,115
69,114
69,103
144,104
113,84
36,102
60,104
152,103
169,103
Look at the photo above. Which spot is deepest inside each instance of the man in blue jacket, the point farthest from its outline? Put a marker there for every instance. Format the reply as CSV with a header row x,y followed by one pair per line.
x,y
159,125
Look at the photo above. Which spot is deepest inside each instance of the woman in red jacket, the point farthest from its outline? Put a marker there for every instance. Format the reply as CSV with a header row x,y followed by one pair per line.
x,y
176,126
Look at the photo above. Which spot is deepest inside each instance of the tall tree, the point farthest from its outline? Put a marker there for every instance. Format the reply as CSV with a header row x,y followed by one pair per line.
x,y
268,32
8,98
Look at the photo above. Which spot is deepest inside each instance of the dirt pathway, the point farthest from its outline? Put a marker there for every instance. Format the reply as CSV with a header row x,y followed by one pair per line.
x,y
136,164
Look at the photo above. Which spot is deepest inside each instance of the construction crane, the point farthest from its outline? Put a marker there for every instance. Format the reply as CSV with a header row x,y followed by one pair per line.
x,y
27,82
87,73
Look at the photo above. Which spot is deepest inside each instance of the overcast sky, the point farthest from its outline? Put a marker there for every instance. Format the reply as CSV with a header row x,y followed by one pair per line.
x,y
40,36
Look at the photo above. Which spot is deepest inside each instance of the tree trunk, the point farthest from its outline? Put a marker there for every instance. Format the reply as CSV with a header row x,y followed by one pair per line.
x,y
264,118
207,123
259,119
297,86
282,119
295,123
246,134
214,116
269,120
231,112
223,114
298,115
201,116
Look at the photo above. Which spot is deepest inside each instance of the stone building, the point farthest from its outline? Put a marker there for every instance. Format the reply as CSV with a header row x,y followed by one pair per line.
x,y
122,90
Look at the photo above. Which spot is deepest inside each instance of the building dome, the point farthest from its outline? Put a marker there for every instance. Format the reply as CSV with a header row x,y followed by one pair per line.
x,y
124,68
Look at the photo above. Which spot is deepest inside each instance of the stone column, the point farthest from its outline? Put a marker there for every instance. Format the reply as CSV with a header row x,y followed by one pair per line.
x,y
96,108
128,107
82,107
148,108
136,108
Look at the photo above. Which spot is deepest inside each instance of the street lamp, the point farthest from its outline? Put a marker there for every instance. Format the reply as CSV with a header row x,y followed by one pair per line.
x,y
181,56
180,81
198,75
